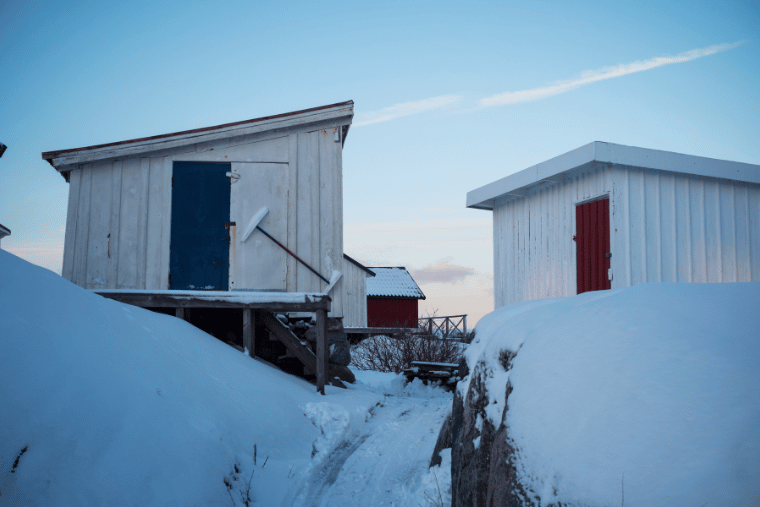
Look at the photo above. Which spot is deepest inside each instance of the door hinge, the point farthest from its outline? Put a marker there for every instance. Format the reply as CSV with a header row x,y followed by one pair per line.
x,y
233,176
608,255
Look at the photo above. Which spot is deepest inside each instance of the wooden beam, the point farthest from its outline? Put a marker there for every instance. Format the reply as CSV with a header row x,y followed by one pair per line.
x,y
179,312
291,341
321,350
153,300
249,331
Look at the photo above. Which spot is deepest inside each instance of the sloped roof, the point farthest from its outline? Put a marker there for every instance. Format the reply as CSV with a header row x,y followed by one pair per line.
x,y
135,147
4,231
358,265
393,282
552,170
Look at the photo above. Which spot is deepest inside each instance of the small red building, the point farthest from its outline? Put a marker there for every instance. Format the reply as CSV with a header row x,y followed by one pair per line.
x,y
392,296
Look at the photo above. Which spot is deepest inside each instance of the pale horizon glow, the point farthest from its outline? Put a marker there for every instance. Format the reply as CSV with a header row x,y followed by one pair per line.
x,y
593,76
404,109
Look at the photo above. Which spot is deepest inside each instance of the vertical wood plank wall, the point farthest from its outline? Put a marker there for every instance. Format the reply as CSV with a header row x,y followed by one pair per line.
x,y
119,216
684,228
664,227
534,251
353,286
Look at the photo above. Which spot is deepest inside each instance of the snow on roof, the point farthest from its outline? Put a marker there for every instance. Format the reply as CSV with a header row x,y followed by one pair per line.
x,y
393,282
609,153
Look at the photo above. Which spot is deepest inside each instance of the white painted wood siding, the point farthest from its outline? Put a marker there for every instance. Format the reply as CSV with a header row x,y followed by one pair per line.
x,y
664,227
353,286
534,251
118,232
678,228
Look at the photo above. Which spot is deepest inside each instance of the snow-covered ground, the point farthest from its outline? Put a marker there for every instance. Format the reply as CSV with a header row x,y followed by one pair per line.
x,y
107,404
648,395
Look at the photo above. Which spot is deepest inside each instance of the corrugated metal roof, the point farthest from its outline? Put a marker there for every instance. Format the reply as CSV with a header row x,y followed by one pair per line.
x,y
393,282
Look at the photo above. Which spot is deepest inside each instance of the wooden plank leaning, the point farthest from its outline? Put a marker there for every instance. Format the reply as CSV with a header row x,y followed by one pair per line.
x,y
321,350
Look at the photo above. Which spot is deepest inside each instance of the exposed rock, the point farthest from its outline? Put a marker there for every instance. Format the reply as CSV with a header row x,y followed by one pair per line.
x,y
482,473
443,442
340,350
342,372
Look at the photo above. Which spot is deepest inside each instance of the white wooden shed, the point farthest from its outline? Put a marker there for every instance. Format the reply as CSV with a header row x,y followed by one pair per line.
x,y
609,216
134,207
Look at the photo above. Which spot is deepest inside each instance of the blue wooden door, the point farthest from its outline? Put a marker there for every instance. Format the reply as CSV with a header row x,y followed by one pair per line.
x,y
200,243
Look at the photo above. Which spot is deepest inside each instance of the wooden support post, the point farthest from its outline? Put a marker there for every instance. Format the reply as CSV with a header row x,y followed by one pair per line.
x,y
321,350
179,312
249,331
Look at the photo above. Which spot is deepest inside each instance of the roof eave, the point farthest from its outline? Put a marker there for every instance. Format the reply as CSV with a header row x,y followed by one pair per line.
x,y
554,170
59,159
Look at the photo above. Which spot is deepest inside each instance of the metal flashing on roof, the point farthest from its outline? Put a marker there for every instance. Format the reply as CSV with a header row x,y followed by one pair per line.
x,y
4,231
394,283
554,170
141,145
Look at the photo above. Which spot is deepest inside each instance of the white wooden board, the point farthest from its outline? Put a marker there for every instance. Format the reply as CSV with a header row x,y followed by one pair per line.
x,y
259,263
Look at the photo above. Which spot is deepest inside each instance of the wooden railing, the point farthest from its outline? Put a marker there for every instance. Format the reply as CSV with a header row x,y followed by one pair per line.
x,y
452,326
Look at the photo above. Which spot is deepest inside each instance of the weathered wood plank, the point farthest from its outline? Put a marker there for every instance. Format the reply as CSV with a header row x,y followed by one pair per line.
x,y
114,225
75,179
129,254
292,244
142,222
79,275
179,312
98,247
166,220
249,330
157,196
152,300
321,350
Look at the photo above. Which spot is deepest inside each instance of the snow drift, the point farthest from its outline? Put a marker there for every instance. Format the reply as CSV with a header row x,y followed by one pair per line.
x,y
648,395
107,404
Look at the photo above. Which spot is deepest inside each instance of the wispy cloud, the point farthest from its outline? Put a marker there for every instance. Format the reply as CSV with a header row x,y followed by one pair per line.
x,y
441,272
592,76
404,109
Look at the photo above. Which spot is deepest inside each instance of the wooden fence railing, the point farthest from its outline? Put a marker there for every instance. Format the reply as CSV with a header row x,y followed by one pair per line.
x,y
452,326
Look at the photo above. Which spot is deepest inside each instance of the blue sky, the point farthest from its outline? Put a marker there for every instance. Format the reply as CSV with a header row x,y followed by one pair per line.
x,y
434,88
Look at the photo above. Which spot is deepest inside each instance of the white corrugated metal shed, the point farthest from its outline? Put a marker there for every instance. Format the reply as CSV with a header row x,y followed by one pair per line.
x,y
393,282
672,218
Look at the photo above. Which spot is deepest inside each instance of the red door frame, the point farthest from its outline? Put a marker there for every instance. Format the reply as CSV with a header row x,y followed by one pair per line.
x,y
592,245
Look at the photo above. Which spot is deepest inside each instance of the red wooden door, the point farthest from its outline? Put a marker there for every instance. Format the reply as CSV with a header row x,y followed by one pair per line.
x,y
592,226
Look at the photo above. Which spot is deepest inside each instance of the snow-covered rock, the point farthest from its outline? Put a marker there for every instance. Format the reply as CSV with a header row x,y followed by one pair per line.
x,y
648,395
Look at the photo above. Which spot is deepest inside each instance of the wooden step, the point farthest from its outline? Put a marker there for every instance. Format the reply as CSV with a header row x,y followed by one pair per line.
x,y
295,346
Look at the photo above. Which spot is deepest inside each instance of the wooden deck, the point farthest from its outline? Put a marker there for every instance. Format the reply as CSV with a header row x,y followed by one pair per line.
x,y
263,304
